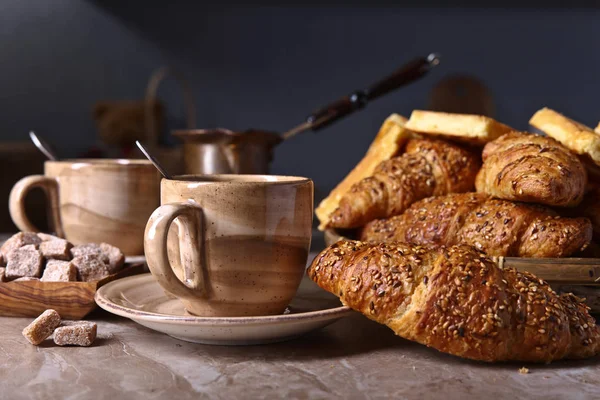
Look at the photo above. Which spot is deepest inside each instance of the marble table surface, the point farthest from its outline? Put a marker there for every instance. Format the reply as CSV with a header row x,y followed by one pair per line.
x,y
353,358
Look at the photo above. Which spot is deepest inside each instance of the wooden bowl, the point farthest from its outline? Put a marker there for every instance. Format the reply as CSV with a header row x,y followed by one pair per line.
x,y
580,276
72,300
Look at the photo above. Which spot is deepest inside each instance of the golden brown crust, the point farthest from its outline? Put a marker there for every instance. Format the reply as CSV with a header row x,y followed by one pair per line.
x,y
455,300
585,334
467,128
428,167
498,227
590,208
387,144
555,237
531,168
575,136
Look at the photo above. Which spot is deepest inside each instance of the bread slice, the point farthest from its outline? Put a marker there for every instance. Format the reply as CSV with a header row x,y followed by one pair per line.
x,y
474,129
575,136
598,128
388,142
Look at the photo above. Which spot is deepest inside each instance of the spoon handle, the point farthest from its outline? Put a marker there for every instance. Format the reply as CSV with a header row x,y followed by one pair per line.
x,y
153,160
43,146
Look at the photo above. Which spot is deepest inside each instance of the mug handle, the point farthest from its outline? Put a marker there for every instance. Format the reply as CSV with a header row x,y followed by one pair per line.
x,y
155,248
16,202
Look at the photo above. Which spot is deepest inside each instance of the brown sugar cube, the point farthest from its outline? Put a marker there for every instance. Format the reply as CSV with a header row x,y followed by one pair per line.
x,y
26,278
59,271
19,240
44,237
112,256
90,268
3,274
42,327
90,249
24,261
57,249
76,333
116,259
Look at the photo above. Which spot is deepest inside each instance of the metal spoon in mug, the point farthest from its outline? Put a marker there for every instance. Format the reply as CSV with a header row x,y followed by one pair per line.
x,y
153,160
43,146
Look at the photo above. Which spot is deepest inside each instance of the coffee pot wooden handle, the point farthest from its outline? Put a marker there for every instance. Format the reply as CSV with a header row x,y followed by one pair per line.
x,y
191,243
16,202
406,74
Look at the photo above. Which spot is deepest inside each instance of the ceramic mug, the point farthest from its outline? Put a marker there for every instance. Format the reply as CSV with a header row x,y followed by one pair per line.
x,y
231,245
94,200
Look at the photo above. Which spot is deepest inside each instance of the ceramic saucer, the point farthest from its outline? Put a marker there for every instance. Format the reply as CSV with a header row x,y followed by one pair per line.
x,y
141,299
135,259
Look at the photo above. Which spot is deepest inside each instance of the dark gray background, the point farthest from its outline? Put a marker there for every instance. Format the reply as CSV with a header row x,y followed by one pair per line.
x,y
268,66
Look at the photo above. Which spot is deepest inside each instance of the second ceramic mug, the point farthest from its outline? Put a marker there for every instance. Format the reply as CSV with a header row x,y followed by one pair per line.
x,y
94,200
231,245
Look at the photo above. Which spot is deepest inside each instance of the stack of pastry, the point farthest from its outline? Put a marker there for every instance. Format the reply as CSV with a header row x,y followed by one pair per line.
x,y
451,191
522,201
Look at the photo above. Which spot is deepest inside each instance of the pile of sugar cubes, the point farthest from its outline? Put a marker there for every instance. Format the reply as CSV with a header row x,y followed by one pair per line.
x,y
66,333
39,256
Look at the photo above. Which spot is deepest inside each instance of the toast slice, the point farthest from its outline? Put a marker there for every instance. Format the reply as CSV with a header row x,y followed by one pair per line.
x,y
467,128
577,137
388,143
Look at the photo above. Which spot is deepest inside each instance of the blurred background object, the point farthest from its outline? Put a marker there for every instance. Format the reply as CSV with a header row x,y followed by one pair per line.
x,y
120,123
462,94
263,65
156,136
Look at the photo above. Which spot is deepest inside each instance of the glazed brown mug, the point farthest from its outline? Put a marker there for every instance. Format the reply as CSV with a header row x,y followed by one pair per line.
x,y
94,200
231,245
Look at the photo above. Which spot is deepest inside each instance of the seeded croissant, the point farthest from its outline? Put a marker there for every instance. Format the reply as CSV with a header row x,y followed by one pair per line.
x,y
457,301
427,168
531,168
590,208
498,227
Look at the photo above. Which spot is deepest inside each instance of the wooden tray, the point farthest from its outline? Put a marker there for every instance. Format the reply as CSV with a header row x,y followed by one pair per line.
x,y
72,300
580,276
